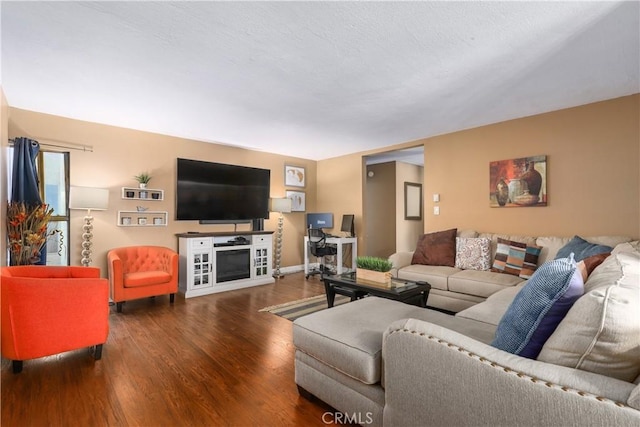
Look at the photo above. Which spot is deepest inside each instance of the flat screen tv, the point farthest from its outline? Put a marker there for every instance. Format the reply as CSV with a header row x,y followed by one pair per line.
x,y
217,192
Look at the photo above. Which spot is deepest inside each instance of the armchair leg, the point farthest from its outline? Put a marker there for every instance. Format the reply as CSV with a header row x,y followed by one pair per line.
x,y
97,352
119,307
172,298
17,366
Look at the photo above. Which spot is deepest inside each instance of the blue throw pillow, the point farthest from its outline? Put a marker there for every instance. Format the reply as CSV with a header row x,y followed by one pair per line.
x,y
539,307
581,249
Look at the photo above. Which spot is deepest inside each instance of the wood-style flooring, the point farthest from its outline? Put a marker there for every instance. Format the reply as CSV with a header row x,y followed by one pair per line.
x,y
207,361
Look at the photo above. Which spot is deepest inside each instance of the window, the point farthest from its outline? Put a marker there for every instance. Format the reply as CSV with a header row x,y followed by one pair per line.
x,y
53,172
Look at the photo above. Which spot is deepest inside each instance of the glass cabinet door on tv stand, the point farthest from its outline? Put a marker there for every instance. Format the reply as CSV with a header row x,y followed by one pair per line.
x,y
197,269
202,272
262,256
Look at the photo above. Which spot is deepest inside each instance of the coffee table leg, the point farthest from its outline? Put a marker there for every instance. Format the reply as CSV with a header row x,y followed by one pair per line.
x,y
423,299
331,293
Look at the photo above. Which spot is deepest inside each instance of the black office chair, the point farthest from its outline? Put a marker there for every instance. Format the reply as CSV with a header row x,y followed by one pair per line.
x,y
320,249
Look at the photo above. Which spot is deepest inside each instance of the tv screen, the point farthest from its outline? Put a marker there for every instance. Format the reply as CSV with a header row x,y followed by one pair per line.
x,y
221,193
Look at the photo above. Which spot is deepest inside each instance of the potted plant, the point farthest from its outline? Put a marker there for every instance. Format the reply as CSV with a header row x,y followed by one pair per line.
x,y
374,269
143,179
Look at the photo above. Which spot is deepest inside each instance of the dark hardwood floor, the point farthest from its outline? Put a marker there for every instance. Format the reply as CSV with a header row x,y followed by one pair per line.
x,y
206,361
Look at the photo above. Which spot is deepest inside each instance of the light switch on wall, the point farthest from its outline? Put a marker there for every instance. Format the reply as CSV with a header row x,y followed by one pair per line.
x,y
436,197
436,210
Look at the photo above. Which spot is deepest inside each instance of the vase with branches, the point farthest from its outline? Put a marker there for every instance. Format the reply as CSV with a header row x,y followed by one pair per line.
x,y
27,231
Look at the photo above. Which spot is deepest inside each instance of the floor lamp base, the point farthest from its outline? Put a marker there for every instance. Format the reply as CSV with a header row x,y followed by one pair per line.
x,y
86,241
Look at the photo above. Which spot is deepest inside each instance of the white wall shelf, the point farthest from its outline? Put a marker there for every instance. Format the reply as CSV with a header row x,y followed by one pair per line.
x,y
136,193
142,218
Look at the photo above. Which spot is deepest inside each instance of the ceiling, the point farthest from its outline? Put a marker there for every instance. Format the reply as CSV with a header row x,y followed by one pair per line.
x,y
315,79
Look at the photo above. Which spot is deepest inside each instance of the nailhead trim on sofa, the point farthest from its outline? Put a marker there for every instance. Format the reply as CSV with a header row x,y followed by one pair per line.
x,y
511,371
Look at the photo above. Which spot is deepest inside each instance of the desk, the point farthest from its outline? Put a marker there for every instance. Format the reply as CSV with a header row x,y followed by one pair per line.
x,y
339,242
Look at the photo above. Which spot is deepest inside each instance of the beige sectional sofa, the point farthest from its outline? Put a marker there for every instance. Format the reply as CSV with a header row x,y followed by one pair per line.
x,y
454,289
381,362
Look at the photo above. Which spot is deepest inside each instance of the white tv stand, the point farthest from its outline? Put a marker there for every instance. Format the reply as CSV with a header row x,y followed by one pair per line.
x,y
224,261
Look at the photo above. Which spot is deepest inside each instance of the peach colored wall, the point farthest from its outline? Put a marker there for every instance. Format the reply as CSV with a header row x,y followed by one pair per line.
x,y
407,230
119,154
380,206
339,190
592,180
4,192
593,160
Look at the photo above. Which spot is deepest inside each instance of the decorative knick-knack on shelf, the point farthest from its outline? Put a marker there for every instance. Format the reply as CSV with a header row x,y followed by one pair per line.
x,y
143,179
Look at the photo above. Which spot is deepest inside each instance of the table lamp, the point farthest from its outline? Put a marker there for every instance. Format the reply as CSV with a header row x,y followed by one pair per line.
x,y
280,205
88,198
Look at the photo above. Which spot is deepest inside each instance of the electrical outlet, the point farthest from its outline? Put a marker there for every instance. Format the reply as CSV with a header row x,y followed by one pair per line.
x,y
436,210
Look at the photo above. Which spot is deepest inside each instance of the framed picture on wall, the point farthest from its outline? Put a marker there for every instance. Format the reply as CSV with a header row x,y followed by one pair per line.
x,y
518,182
297,200
294,176
412,200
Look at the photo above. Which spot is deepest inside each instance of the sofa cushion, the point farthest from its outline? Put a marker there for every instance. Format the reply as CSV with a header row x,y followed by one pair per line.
x,y
436,275
481,283
581,249
146,278
493,308
601,332
539,307
473,253
348,337
437,248
516,258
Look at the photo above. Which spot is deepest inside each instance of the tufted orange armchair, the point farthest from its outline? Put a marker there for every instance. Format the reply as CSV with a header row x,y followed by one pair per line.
x,y
142,271
47,310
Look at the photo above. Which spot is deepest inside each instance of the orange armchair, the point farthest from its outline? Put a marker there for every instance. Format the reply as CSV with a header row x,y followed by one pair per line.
x,y
47,310
142,271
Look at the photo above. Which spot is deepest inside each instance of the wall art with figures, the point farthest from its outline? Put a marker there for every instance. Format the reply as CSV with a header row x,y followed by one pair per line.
x,y
518,182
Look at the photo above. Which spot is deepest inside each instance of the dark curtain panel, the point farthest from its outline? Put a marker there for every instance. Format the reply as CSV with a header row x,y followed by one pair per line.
x,y
24,183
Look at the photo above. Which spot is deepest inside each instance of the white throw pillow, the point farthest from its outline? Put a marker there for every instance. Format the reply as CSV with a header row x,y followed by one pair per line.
x,y
473,253
601,332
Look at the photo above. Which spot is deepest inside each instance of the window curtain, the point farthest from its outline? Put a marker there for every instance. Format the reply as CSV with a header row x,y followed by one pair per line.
x,y
24,183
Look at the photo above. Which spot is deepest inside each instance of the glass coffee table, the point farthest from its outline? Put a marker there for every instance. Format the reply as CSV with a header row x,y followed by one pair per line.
x,y
399,290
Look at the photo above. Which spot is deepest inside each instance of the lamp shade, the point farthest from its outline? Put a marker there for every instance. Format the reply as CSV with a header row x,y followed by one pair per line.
x,y
282,205
88,198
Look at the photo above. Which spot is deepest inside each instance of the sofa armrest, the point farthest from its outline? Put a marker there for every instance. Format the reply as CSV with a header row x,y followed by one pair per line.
x,y
432,373
116,275
401,259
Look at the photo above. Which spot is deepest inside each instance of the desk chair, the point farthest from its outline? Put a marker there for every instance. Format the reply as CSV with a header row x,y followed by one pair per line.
x,y
320,249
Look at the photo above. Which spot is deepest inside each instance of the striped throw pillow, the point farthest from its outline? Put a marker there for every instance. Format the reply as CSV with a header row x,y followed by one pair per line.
x,y
516,258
